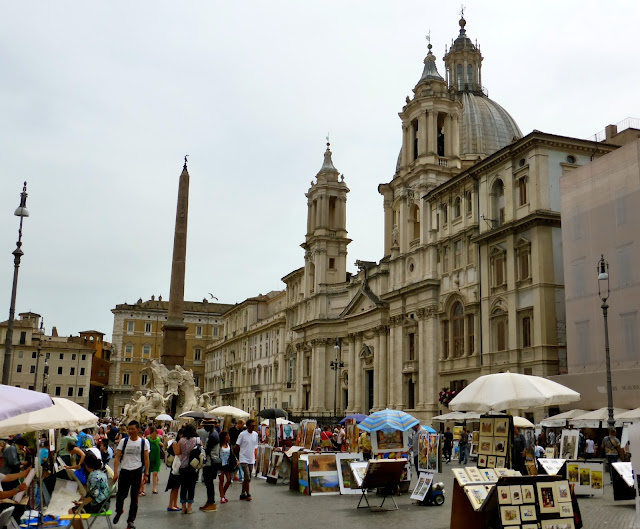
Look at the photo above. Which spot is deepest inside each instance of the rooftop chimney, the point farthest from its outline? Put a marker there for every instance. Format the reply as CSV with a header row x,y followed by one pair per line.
x,y
54,332
610,131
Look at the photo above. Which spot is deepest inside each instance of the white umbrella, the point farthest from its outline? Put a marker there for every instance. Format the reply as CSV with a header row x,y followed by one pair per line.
x,y
629,416
279,420
16,401
557,421
521,422
229,411
456,416
502,391
163,417
63,414
592,419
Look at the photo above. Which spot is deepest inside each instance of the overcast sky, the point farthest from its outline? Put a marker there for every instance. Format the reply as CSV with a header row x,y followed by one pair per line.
x,y
100,101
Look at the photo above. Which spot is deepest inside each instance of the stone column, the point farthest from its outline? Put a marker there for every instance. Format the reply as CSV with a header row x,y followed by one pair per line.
x,y
309,218
299,377
351,364
388,224
342,201
377,368
359,406
422,359
393,362
396,382
405,146
320,378
431,132
430,325
381,388
318,206
422,133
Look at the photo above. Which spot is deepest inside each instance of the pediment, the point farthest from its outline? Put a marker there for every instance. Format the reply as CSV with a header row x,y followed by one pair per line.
x,y
363,302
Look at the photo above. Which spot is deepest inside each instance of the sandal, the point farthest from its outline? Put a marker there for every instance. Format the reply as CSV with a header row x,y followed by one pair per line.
x,y
142,493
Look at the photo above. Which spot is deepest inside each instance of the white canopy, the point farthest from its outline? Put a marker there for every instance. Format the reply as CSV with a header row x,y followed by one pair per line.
x,y
279,420
503,391
457,416
16,401
629,416
229,411
521,422
592,419
560,420
63,414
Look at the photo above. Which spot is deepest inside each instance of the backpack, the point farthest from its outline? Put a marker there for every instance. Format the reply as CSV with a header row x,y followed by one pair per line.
x,y
142,445
170,456
84,441
197,457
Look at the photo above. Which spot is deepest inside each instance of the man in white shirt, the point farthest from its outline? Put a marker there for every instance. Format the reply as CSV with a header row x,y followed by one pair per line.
x,y
246,448
132,458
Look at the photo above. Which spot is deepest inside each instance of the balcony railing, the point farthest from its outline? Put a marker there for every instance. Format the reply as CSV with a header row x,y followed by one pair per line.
x,y
255,387
226,391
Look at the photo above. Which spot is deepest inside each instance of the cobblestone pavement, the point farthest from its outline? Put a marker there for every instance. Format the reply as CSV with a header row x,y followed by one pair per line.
x,y
277,506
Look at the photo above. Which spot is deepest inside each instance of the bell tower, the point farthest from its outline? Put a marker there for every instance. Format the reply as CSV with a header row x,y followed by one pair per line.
x,y
463,62
326,241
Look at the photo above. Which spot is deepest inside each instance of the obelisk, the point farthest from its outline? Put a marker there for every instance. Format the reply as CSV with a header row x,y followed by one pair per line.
x,y
174,341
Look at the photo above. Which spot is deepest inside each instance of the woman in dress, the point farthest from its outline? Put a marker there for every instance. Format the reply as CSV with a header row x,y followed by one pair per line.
x,y
155,444
228,467
188,474
173,483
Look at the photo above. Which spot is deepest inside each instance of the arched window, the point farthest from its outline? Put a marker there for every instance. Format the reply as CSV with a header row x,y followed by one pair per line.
x,y
457,318
469,75
459,76
500,322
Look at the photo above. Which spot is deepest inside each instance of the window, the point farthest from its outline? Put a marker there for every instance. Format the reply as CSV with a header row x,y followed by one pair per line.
x,y
59,370
32,369
72,371
83,357
412,346
126,377
215,332
469,203
58,391
197,354
34,354
146,351
198,330
290,369
469,75
101,373
80,392
498,267
82,371
471,251
621,208
47,356
497,192
457,208
128,352
414,125
19,368
500,330
578,277
73,356
445,259
459,76
522,191
445,339
61,356
523,256
457,254
332,263
196,380
307,370
143,379
130,327
445,214
471,337
526,331
415,220
20,353
70,391
457,317
625,270
629,334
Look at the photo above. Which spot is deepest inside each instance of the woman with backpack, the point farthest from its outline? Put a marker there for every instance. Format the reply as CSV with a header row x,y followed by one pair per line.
x,y
188,474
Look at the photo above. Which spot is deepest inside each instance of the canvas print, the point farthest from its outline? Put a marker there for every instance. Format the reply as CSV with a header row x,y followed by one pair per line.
x,y
482,460
528,494
309,434
274,464
501,427
423,485
423,451
486,427
548,502
500,446
477,494
272,433
500,461
322,463
324,483
491,462
566,510
359,470
585,477
569,444
501,471
348,483
563,491
596,479
486,445
461,476
474,474
303,474
516,494
504,495
433,456
572,473
489,474
549,452
510,515
528,513
389,440
351,434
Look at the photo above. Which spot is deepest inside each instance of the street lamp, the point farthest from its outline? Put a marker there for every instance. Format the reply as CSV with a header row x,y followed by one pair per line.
x,y
603,293
336,365
21,212
45,375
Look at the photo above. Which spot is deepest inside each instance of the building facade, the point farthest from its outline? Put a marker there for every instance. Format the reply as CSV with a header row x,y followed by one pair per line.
x,y
137,338
59,366
601,216
471,280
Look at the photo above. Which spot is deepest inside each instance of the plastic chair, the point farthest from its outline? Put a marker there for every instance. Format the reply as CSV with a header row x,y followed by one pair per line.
x,y
6,519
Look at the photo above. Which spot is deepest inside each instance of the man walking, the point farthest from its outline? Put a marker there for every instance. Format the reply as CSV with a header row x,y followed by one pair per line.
x,y
210,470
246,448
448,445
463,448
234,432
132,457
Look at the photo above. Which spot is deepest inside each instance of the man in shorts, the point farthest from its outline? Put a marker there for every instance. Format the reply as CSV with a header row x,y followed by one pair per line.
x,y
246,448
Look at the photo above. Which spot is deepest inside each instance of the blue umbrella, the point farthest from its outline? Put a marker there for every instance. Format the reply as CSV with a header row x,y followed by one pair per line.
x,y
357,416
428,428
388,420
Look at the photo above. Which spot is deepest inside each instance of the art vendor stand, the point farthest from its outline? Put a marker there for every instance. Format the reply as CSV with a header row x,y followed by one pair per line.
x,y
586,476
495,441
382,474
623,488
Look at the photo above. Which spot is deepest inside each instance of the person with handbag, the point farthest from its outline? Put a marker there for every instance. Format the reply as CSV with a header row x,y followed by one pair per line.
x,y
612,449
229,465
212,464
188,473
173,482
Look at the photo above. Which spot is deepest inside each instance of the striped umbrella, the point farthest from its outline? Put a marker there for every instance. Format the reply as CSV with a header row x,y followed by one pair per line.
x,y
388,420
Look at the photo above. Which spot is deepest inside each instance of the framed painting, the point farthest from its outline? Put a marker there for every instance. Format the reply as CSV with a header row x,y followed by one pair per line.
x,y
486,427
491,461
359,470
500,461
510,514
482,461
389,441
476,494
486,446
566,510
528,494
324,483
504,495
569,444
322,463
422,487
563,492
547,498
564,523
500,445
501,427
346,478
528,513
516,494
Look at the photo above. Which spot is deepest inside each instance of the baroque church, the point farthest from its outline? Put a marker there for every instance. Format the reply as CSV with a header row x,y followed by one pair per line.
x,y
471,281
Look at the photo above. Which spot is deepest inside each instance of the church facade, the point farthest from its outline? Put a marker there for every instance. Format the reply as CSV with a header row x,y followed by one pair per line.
x,y
471,281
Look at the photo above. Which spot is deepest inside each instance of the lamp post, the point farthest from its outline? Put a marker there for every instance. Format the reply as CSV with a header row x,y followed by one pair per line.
x,y
603,293
336,365
45,376
21,212
35,376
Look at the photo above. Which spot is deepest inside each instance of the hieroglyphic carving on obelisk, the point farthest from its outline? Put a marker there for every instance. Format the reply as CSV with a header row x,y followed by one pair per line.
x,y
174,342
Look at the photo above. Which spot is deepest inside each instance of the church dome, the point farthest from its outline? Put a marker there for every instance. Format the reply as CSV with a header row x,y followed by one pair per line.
x,y
485,127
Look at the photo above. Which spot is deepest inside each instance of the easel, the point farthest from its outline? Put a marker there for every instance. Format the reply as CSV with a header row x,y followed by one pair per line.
x,y
384,475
